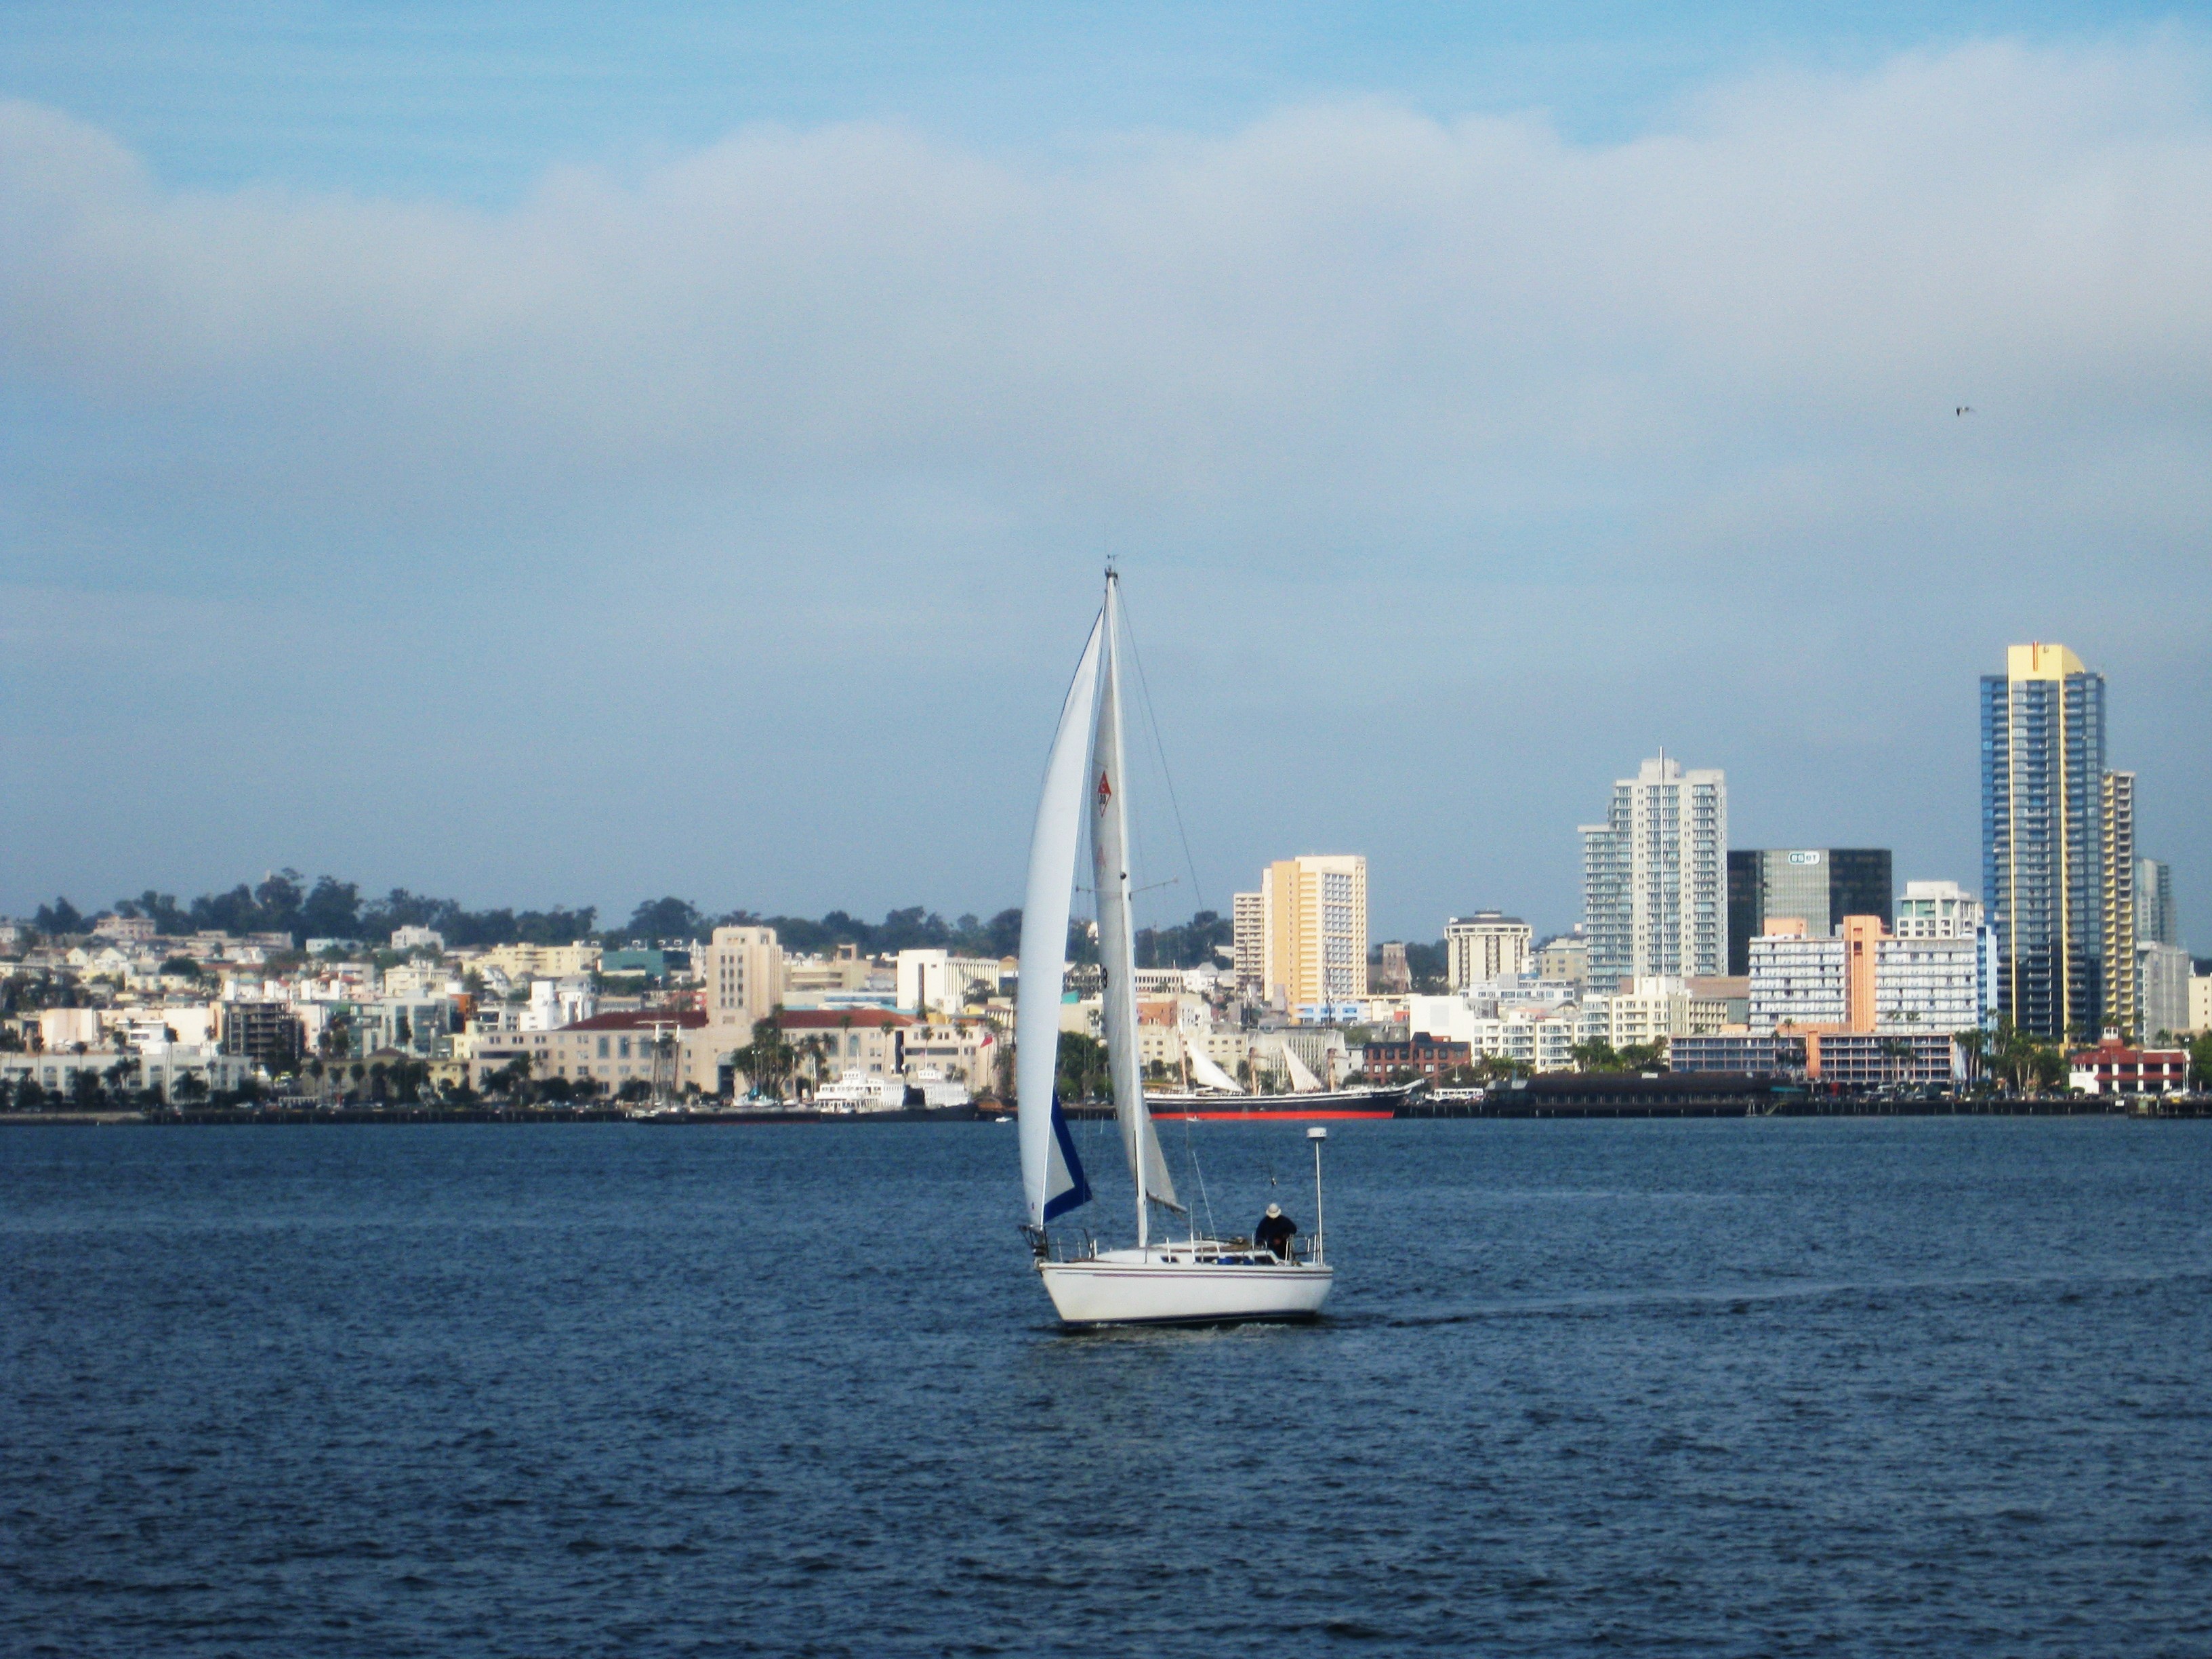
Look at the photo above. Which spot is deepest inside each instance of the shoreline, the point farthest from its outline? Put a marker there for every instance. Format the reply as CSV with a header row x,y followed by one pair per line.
x,y
2175,1108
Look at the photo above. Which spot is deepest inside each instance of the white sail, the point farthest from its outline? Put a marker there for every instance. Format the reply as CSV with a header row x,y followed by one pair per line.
x,y
1117,958
1209,1075
1052,1176
1302,1081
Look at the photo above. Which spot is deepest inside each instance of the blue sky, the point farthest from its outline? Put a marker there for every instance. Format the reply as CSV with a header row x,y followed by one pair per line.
x,y
552,455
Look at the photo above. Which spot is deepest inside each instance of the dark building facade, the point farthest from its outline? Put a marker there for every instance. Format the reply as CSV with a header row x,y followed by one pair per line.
x,y
1820,885
1425,1055
267,1033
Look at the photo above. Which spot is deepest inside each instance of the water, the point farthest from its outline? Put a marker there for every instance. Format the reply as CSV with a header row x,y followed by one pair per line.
x,y
1735,1388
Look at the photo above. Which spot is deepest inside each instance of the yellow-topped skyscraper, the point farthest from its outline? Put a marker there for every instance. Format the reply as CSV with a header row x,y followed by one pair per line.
x,y
2043,838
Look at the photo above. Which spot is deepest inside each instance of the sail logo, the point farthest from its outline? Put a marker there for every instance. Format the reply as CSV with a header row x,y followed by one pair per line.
x,y
1105,791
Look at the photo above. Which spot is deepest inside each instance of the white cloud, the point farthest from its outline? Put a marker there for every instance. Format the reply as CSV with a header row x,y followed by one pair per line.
x,y
1342,297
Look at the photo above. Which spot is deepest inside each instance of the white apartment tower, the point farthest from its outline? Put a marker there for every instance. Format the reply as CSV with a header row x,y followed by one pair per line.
x,y
1486,947
1249,928
1655,888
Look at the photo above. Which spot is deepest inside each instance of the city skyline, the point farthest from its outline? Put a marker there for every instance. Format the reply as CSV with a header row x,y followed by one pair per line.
x,y
392,496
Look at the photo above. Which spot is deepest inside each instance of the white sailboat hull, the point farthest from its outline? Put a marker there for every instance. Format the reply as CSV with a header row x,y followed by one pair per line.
x,y
1173,1285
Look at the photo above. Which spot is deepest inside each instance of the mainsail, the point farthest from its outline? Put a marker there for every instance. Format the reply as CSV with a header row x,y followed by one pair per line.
x,y
1052,1176
1109,859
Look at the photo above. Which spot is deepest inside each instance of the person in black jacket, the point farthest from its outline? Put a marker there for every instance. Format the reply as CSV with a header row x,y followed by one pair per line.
x,y
1275,1232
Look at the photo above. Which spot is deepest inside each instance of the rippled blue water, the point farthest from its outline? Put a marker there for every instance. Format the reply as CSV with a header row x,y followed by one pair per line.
x,y
1758,1387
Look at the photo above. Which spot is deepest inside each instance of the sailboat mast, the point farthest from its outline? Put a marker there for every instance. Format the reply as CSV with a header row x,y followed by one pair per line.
x,y
1110,840
1116,892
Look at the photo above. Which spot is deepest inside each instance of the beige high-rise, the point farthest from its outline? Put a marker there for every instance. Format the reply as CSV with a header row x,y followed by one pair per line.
x,y
1247,915
1313,928
743,972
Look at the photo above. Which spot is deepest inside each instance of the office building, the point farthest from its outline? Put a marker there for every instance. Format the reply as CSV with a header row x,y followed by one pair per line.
x,y
742,973
1818,885
937,982
1486,947
1396,974
1563,960
270,1036
1655,897
1314,929
2157,922
2043,774
2162,974
1247,940
2117,804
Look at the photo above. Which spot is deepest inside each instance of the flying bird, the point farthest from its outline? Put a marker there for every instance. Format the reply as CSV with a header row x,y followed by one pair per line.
x,y
1964,409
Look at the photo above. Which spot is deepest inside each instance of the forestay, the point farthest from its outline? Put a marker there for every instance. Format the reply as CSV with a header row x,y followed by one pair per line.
x,y
1117,947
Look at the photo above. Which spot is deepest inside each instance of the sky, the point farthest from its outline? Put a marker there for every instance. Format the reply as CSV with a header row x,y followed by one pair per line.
x,y
567,455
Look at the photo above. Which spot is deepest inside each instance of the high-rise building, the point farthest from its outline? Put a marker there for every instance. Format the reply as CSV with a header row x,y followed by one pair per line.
x,y
2157,922
1655,898
743,970
1862,981
1314,929
2162,974
2043,773
1818,885
1484,947
1247,940
1937,909
2116,802
1397,974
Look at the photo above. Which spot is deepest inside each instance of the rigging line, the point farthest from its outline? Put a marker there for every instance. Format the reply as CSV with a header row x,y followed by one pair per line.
x,y
1190,1151
1153,720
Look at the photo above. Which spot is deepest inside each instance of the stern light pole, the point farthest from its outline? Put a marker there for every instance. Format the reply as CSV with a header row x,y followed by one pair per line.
x,y
1317,1134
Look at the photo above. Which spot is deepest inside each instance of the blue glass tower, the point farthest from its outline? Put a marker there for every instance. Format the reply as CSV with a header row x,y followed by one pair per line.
x,y
2042,768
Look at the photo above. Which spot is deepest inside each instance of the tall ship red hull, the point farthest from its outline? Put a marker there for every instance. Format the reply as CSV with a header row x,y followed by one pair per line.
x,y
1314,1106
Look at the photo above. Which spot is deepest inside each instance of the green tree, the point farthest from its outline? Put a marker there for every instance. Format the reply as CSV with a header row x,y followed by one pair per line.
x,y
2200,1061
768,1062
1082,1071
1596,1056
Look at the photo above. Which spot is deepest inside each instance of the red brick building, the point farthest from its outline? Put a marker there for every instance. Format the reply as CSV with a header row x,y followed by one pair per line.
x,y
1422,1054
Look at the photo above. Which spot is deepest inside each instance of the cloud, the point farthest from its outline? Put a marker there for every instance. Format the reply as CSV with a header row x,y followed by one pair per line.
x,y
1644,403
1338,294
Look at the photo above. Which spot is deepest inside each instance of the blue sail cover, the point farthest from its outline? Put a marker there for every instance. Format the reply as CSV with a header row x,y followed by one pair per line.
x,y
1065,1180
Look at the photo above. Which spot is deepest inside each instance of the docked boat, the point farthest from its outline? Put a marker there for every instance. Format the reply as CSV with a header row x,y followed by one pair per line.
x,y
861,1091
1190,1280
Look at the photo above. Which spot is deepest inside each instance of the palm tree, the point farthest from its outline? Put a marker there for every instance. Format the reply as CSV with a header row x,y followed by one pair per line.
x,y
1974,1044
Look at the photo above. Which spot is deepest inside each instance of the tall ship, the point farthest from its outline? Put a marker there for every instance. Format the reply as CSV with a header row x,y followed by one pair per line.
x,y
1210,1095
1172,1275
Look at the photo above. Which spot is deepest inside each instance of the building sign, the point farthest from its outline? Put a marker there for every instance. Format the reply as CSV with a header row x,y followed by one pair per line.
x,y
1804,858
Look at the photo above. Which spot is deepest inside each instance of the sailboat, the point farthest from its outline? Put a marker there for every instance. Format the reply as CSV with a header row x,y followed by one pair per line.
x,y
1170,1280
